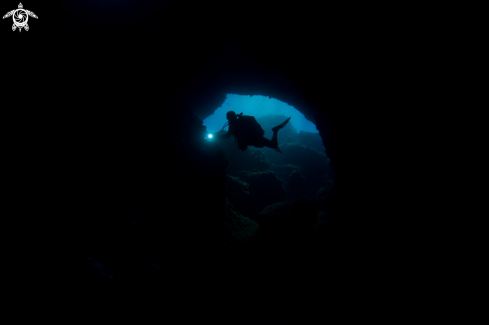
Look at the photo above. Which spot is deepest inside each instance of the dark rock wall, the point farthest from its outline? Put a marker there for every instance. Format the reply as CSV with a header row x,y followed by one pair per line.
x,y
103,123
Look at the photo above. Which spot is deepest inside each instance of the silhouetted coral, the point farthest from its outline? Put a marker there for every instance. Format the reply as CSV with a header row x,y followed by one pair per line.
x,y
296,185
239,160
240,229
313,163
283,171
322,197
237,192
324,221
293,177
288,217
311,140
265,188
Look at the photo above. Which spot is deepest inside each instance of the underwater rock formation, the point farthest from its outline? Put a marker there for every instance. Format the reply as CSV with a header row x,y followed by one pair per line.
x,y
294,153
239,160
240,230
324,222
293,177
238,194
265,188
291,217
324,196
311,140
283,171
296,185
313,163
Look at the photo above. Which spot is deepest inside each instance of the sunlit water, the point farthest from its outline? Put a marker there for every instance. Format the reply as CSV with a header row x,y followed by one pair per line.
x,y
257,106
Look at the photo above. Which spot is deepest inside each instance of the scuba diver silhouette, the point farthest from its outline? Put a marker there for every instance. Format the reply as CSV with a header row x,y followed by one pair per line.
x,y
247,132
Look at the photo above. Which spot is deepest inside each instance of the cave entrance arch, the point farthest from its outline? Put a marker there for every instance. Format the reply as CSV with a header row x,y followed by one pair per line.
x,y
259,177
257,106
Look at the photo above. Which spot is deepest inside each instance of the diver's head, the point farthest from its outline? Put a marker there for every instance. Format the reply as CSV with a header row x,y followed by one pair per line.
x,y
231,116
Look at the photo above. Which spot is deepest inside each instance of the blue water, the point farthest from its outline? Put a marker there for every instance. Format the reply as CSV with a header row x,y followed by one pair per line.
x,y
257,106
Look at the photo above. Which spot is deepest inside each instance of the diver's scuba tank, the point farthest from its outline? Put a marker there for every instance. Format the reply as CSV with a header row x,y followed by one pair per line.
x,y
227,123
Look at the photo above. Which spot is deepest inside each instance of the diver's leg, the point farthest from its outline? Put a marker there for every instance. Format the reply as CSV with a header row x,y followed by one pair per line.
x,y
281,125
261,142
264,142
274,141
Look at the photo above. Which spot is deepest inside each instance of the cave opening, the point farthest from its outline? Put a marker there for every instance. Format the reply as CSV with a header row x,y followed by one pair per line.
x,y
257,106
261,177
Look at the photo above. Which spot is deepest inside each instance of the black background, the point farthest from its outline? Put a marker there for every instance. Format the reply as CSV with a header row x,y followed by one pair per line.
x,y
386,84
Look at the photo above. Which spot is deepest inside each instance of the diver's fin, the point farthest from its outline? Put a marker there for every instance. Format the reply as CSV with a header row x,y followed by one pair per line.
x,y
277,150
278,127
